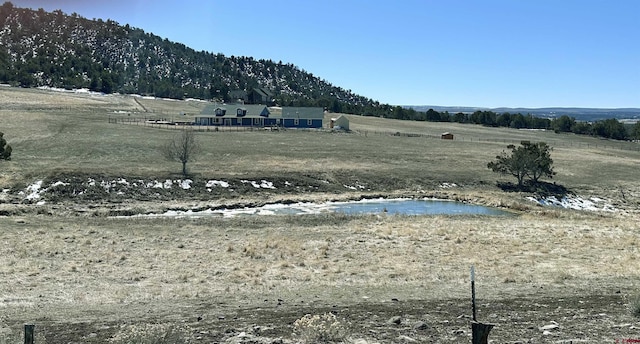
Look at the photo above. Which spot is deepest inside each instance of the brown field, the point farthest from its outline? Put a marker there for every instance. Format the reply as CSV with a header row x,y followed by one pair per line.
x,y
82,276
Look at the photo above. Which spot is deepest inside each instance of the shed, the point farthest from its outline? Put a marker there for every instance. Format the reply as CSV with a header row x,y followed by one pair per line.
x,y
447,136
340,122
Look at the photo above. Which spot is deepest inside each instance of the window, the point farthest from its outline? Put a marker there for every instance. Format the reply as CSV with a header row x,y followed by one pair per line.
x,y
221,112
241,112
296,122
309,122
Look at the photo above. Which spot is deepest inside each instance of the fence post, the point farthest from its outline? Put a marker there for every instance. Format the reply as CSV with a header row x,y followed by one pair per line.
x,y
479,331
29,330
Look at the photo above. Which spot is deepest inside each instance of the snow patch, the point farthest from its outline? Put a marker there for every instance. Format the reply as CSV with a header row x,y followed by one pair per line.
x,y
77,91
58,183
354,187
214,183
185,184
33,191
264,184
575,202
121,186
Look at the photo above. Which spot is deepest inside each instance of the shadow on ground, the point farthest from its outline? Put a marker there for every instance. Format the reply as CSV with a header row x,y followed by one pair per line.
x,y
543,189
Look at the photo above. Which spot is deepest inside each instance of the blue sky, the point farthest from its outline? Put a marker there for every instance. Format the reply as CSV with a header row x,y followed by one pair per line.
x,y
489,53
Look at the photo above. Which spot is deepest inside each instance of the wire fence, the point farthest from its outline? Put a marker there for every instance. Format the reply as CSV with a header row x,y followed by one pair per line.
x,y
605,144
164,123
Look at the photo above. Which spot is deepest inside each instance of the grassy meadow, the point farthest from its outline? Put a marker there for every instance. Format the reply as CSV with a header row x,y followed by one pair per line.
x,y
69,133
63,268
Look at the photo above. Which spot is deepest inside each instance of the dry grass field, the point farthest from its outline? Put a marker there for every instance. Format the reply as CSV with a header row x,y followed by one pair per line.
x,y
84,277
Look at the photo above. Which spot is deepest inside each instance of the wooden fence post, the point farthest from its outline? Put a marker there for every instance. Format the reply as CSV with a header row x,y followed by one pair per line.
x,y
479,331
473,293
29,330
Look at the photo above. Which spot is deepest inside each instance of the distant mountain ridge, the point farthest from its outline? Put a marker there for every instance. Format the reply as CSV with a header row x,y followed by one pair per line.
x,y
581,114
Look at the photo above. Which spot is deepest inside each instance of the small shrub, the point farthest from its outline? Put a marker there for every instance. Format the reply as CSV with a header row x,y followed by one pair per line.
x,y
634,306
7,337
325,328
15,335
152,334
5,149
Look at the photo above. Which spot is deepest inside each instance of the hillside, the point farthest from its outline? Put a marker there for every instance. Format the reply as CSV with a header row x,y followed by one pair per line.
x,y
39,48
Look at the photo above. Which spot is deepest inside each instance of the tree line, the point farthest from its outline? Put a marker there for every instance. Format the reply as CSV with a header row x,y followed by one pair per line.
x,y
609,128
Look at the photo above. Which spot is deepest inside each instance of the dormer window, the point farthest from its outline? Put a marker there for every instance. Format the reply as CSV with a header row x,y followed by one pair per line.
x,y
241,112
221,112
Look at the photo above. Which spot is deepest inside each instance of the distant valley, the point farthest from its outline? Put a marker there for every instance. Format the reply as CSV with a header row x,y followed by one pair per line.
x,y
580,114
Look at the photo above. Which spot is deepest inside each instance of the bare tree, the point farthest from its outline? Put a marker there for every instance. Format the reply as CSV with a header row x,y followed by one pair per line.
x,y
183,148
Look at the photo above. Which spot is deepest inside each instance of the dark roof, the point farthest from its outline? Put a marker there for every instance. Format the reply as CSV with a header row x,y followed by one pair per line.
x,y
262,92
232,110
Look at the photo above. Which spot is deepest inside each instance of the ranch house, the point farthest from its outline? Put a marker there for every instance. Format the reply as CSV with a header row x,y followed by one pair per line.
x,y
301,117
244,115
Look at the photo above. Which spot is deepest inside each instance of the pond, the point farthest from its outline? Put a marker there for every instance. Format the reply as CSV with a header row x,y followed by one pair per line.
x,y
415,207
396,206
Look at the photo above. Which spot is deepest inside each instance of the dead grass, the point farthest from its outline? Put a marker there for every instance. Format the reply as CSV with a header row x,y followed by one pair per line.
x,y
54,132
102,261
70,267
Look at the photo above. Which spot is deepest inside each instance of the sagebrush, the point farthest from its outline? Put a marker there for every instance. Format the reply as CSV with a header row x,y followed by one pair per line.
x,y
324,328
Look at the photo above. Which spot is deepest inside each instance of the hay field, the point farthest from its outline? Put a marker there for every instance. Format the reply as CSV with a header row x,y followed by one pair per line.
x,y
76,275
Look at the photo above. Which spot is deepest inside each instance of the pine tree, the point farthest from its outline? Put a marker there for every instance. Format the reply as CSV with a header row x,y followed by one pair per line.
x,y
528,161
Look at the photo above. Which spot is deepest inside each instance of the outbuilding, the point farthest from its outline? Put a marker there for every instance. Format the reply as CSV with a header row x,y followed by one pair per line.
x,y
447,136
341,122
